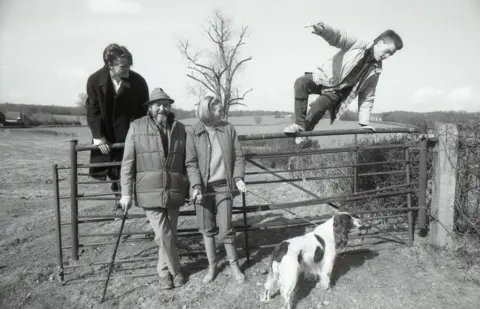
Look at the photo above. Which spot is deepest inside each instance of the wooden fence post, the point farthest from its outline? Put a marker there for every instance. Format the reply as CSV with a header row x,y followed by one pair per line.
x,y
443,189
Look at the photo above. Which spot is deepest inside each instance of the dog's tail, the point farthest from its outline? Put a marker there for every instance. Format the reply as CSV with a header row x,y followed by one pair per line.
x,y
274,273
272,277
270,260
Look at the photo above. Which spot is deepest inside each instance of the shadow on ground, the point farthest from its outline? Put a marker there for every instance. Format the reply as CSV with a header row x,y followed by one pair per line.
x,y
345,262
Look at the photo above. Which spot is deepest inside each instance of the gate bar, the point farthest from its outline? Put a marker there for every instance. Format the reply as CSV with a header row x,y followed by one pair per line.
x,y
409,201
422,186
302,152
345,198
256,182
56,196
327,167
74,201
248,137
245,226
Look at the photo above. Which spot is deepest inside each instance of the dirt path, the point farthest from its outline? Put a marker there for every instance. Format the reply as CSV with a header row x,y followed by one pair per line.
x,y
382,276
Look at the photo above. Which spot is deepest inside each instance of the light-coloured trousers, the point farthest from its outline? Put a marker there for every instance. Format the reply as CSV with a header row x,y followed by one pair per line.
x,y
164,224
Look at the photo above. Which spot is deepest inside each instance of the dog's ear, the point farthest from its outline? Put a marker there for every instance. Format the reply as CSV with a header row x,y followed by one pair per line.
x,y
345,220
336,220
348,223
338,230
341,226
337,224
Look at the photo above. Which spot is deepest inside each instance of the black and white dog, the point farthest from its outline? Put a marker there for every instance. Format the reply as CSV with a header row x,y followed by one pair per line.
x,y
313,254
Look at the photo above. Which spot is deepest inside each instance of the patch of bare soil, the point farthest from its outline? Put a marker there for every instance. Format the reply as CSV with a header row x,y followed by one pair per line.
x,y
371,274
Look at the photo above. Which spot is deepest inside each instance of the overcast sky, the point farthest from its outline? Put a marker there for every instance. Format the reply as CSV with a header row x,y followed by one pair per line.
x,y
49,47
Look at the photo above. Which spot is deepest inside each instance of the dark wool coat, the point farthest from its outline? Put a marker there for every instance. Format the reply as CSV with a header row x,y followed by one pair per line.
x,y
109,114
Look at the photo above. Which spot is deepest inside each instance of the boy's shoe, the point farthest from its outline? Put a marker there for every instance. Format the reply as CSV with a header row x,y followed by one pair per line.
x,y
293,129
166,283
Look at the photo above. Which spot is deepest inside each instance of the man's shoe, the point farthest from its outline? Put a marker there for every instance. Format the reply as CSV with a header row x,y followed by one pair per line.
x,y
178,280
293,129
166,282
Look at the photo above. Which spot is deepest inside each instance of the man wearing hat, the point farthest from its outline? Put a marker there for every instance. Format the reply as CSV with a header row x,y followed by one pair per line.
x,y
153,170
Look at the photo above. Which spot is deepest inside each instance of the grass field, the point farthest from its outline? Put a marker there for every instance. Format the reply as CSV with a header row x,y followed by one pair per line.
x,y
369,275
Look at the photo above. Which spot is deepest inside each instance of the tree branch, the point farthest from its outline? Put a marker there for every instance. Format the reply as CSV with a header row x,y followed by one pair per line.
x,y
240,42
207,78
201,82
237,103
232,101
239,64
214,40
184,50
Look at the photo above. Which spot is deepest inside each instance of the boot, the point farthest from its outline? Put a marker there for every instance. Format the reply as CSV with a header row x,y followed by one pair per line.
x,y
211,251
233,259
179,279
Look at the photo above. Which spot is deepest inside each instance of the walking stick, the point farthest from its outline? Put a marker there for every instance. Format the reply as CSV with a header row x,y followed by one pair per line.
x,y
114,254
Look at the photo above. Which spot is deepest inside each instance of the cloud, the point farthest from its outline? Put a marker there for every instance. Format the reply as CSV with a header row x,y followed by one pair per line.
x,y
427,94
114,6
75,72
460,98
461,94
464,94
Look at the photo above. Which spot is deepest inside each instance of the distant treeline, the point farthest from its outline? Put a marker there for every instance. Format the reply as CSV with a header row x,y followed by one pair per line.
x,y
30,109
409,118
242,113
183,114
44,109
417,119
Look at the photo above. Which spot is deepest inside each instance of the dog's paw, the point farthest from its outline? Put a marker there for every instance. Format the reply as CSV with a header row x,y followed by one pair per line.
x,y
324,283
265,297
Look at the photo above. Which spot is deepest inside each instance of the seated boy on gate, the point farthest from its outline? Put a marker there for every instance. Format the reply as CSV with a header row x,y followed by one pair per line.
x,y
353,71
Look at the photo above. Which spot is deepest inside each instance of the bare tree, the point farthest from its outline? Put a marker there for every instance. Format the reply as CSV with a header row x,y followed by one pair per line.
x,y
198,91
215,72
81,99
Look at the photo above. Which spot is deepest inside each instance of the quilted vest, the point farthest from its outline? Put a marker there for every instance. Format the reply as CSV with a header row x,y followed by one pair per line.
x,y
160,182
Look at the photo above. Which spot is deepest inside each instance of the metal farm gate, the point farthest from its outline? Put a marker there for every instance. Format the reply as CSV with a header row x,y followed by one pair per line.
x,y
408,193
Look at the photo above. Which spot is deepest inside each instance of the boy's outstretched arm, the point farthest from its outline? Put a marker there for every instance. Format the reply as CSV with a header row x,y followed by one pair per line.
x,y
335,37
